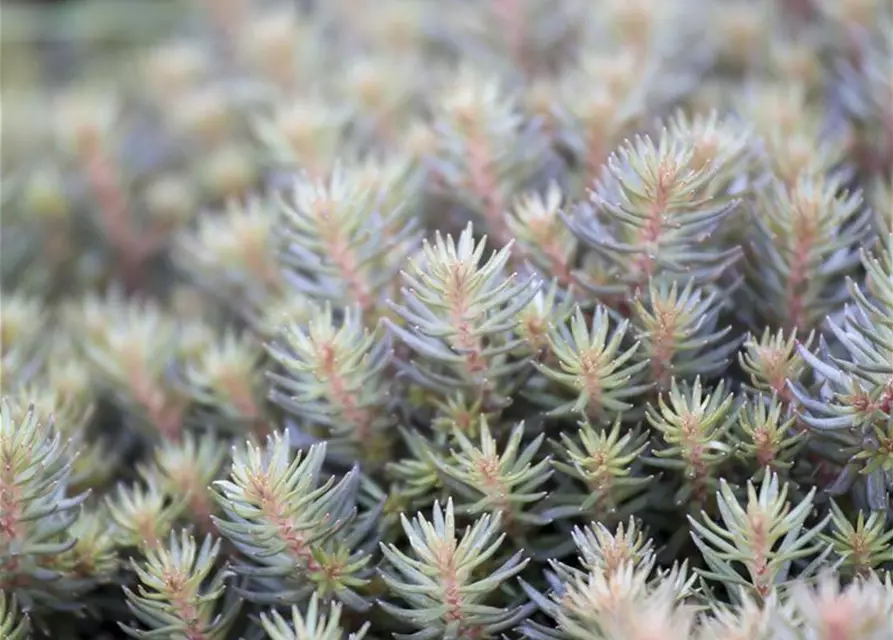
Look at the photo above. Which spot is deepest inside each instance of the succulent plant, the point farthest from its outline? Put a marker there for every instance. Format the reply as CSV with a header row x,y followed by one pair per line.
x,y
414,319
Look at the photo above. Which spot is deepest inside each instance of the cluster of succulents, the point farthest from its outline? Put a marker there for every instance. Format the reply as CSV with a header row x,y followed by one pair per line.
x,y
419,319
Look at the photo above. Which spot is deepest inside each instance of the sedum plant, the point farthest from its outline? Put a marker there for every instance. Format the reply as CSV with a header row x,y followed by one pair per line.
x,y
694,426
808,235
616,592
678,333
504,482
860,380
443,598
862,546
334,380
593,361
297,532
414,319
765,536
36,515
330,251
487,151
179,594
13,625
659,198
460,315
315,623
607,462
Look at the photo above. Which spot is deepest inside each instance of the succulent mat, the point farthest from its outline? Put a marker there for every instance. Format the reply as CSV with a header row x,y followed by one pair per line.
x,y
426,319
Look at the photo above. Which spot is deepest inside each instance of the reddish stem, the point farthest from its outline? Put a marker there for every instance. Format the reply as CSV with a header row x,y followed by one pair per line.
x,y
485,185
650,233
132,247
759,568
452,594
361,419
164,414
797,276
340,253
295,542
10,507
182,603
242,398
